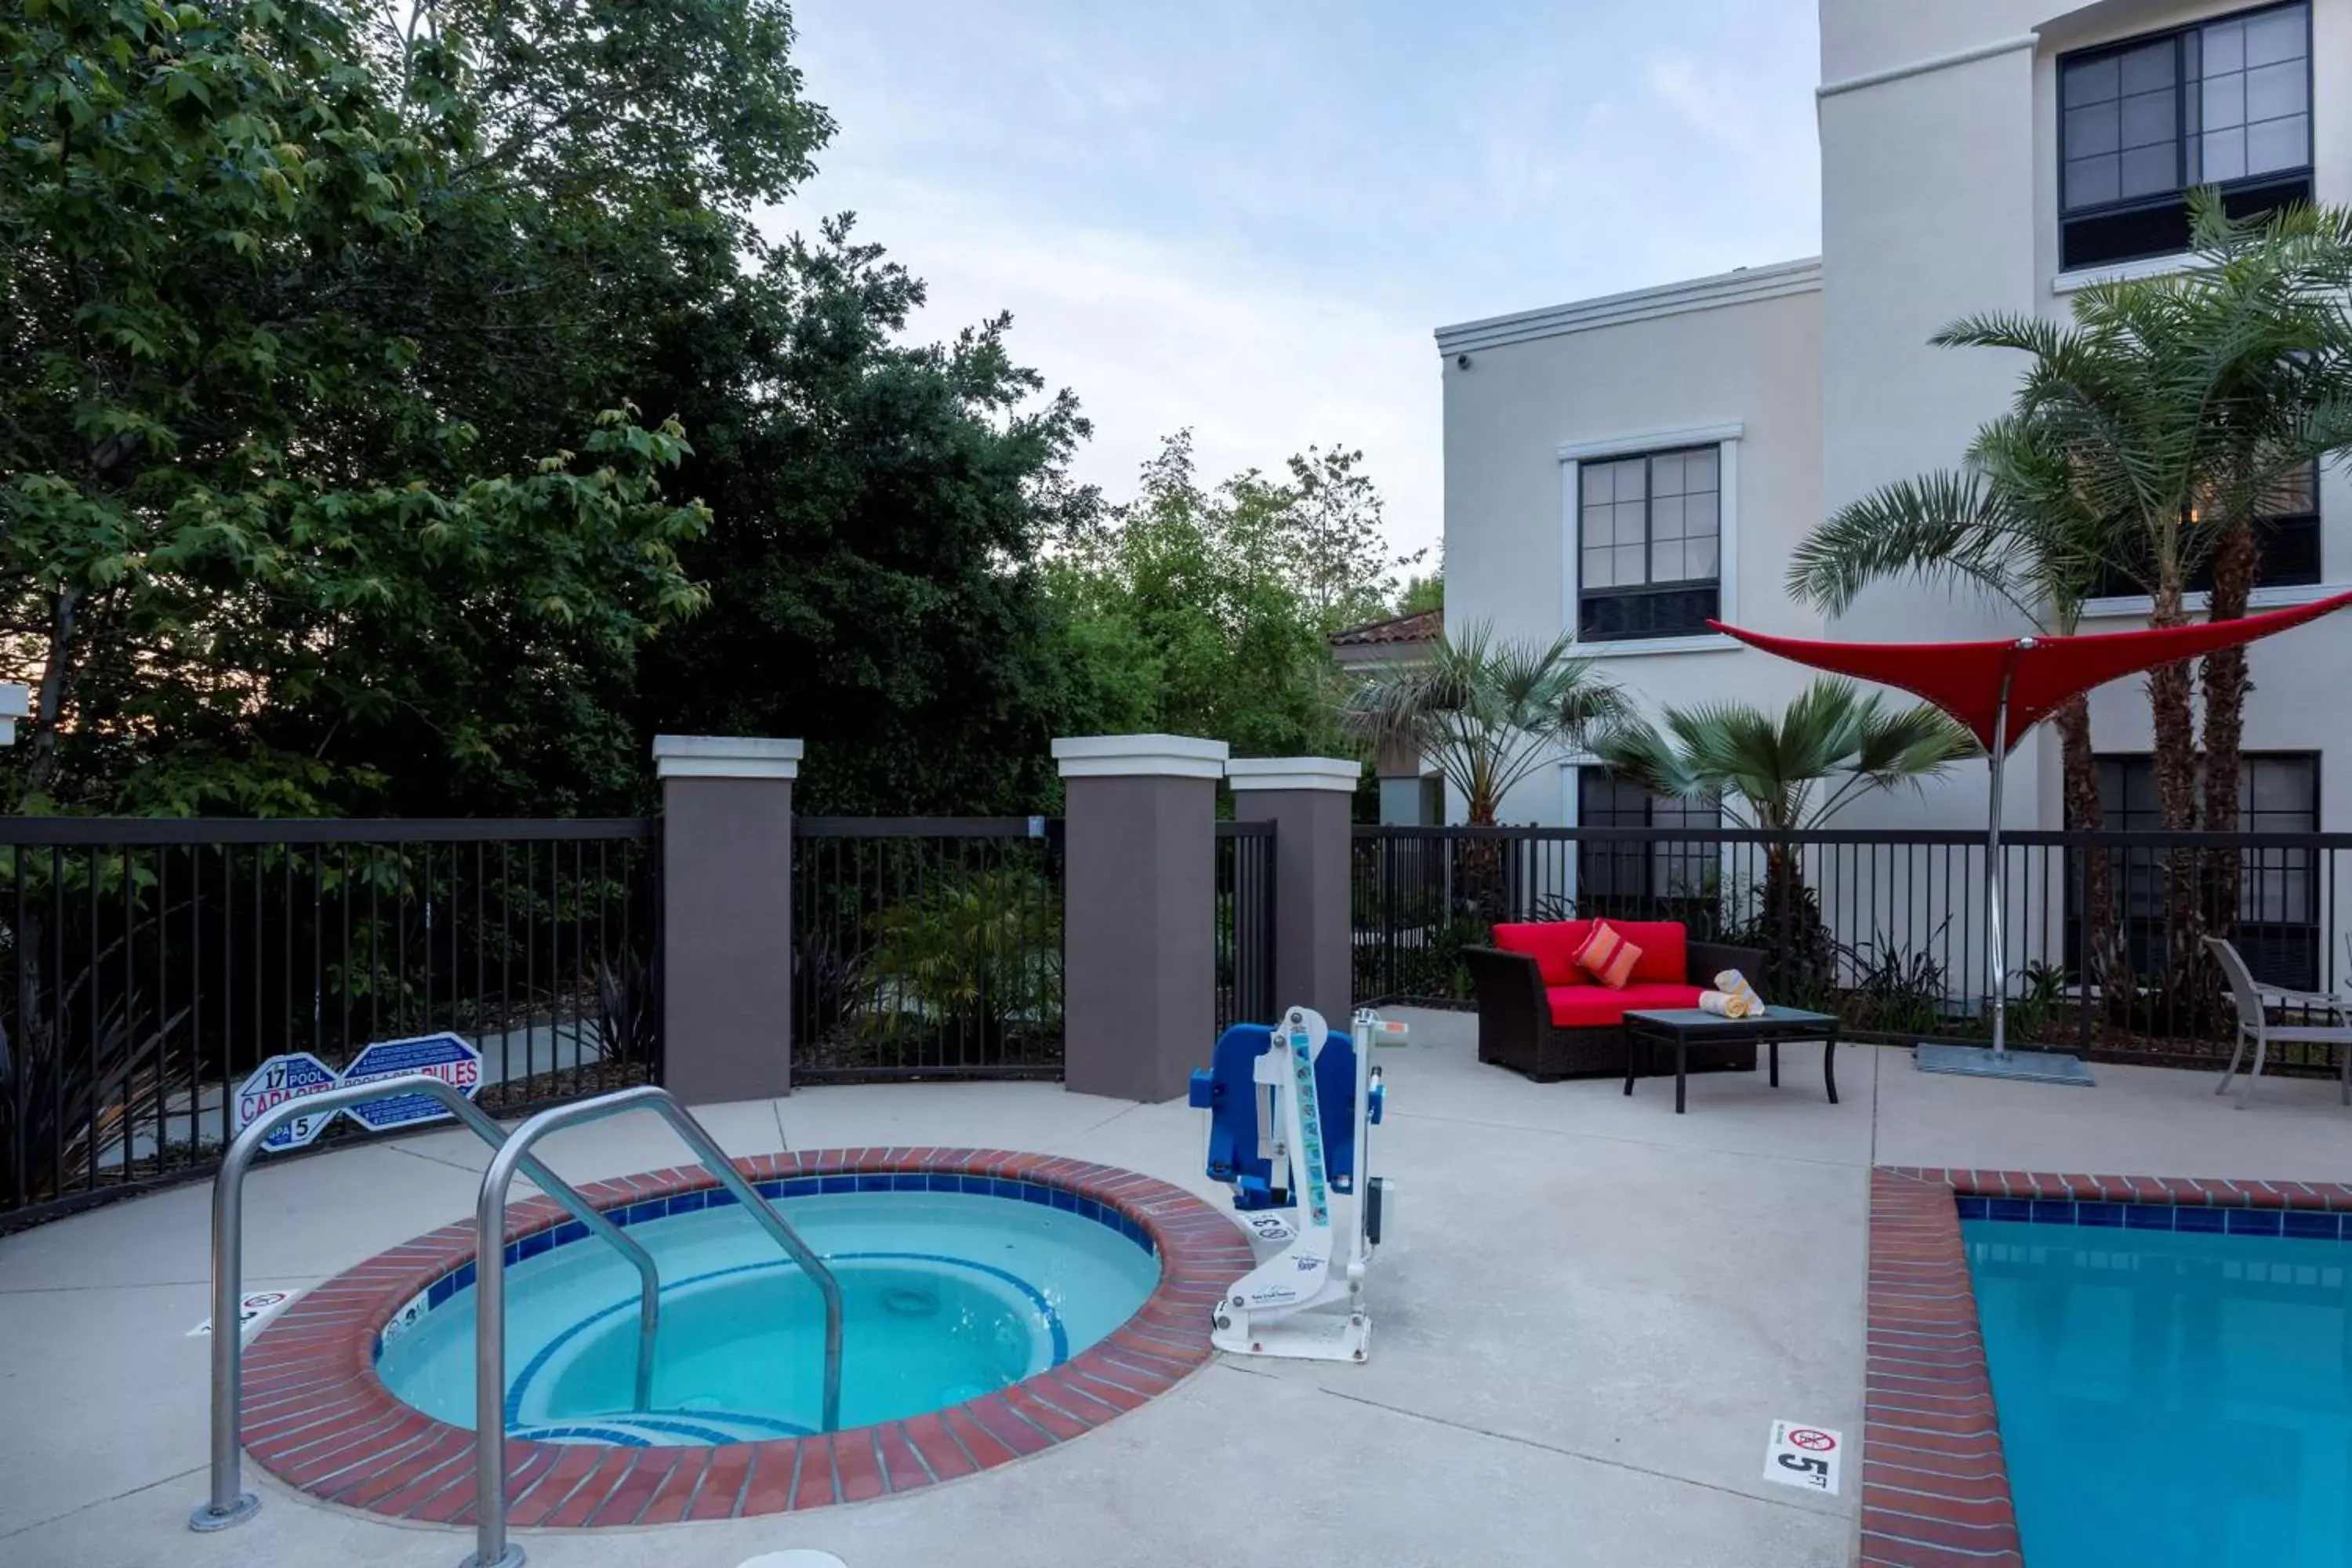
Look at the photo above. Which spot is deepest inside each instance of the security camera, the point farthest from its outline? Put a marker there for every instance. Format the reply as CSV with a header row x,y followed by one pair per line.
x,y
1462,362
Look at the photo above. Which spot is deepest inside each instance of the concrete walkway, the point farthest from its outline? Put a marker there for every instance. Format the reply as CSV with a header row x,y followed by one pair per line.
x,y
1589,1315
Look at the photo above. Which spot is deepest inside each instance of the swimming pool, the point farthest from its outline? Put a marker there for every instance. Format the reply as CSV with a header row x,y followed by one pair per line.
x,y
947,1296
2174,1386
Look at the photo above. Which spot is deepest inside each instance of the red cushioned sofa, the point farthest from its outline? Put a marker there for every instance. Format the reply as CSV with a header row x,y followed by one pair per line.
x,y
1541,1014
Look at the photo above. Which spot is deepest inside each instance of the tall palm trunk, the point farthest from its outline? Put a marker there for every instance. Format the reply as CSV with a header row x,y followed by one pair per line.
x,y
2104,964
1482,863
1797,970
2226,683
2175,737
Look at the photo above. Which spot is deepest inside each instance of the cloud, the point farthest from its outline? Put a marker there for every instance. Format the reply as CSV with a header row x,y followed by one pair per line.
x,y
1248,219
1156,336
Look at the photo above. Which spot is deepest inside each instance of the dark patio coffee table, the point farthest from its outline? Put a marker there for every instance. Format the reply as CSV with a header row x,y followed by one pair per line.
x,y
1680,1026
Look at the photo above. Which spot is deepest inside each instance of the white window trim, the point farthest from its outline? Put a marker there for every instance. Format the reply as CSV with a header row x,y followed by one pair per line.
x,y
1724,436
2139,605
2168,266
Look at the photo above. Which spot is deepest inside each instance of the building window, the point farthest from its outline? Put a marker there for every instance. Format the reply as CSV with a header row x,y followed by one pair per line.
x,y
1661,878
2286,535
2278,894
2140,124
1650,542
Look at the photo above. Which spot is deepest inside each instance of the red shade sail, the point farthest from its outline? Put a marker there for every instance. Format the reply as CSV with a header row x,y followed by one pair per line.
x,y
1964,678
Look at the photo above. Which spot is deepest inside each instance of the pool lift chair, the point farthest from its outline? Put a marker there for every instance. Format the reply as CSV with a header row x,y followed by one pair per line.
x,y
1290,1113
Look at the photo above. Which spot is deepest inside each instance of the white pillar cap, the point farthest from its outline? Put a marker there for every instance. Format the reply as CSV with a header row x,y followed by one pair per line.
x,y
1336,774
1139,756
725,757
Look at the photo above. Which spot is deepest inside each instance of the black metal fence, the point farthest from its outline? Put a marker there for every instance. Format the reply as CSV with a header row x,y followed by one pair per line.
x,y
926,947
147,966
1887,927
1245,953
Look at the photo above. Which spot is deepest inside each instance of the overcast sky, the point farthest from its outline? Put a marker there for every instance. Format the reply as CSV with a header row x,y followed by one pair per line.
x,y
1247,217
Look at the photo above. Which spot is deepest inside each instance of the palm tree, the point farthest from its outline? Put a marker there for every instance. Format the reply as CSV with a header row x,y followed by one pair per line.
x,y
2270,299
1486,712
2179,403
2012,525
1789,773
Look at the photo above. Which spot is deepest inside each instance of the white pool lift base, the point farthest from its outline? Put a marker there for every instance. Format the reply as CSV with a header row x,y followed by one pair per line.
x,y
1983,1061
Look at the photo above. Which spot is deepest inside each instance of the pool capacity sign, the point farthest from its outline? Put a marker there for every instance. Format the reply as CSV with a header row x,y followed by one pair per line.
x,y
300,1074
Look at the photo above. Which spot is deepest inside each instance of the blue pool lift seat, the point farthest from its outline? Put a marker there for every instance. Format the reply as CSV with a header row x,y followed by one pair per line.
x,y
1228,1092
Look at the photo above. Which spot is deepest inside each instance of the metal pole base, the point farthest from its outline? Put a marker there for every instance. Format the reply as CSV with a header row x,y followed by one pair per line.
x,y
510,1558
1983,1061
207,1521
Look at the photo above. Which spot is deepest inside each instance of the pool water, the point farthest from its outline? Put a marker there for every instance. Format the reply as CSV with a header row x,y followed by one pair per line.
x,y
945,1298
2170,1398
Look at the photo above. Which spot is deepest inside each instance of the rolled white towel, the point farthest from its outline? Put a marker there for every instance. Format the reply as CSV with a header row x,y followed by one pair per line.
x,y
1745,1003
1722,1004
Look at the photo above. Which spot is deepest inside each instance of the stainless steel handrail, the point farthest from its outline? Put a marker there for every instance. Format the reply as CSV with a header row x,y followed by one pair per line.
x,y
491,1547
228,1505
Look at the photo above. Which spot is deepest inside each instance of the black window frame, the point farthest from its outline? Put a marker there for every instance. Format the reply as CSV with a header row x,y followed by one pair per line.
x,y
2289,543
2133,228
1658,878
2280,929
1679,607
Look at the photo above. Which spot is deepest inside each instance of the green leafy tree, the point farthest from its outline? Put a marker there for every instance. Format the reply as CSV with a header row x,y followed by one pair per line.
x,y
879,511
1422,593
251,560
1207,612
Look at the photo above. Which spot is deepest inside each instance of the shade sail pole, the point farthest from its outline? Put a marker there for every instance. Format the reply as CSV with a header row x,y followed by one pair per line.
x,y
1996,922
1998,1061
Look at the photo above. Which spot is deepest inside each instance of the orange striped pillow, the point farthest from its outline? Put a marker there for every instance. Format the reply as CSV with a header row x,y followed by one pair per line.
x,y
1607,957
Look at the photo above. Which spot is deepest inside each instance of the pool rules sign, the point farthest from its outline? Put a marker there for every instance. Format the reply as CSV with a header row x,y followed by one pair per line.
x,y
445,1057
299,1074
1812,1458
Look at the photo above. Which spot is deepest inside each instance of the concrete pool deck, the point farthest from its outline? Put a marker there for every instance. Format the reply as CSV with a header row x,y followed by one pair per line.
x,y
1589,1313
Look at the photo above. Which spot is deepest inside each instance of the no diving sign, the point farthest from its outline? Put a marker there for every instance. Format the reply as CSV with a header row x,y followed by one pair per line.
x,y
1802,1456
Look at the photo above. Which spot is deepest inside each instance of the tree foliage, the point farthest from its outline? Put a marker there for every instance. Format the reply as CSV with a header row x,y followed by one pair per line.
x,y
1486,712
1795,770
1208,612
880,511
324,335
276,539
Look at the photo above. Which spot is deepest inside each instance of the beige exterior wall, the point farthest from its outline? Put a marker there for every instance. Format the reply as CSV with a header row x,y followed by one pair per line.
x,y
1745,372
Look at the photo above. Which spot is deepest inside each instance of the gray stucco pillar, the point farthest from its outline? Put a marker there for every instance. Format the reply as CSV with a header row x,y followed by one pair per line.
x,y
727,915
1139,912
1309,801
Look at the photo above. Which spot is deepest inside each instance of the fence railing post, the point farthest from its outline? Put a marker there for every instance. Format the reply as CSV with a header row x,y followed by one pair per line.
x,y
1309,800
727,915
1139,912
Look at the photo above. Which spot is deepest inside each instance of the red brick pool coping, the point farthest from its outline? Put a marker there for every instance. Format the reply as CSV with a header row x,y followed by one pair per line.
x,y
1935,1486
319,1418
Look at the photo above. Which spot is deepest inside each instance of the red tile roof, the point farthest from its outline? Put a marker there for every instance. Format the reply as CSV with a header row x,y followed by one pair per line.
x,y
1424,626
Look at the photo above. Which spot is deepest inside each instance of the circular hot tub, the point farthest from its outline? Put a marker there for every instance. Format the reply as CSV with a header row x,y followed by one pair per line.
x,y
947,1295
992,1305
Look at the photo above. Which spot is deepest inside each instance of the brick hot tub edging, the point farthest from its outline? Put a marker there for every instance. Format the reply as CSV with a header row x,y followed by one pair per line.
x,y
1935,1484
317,1417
